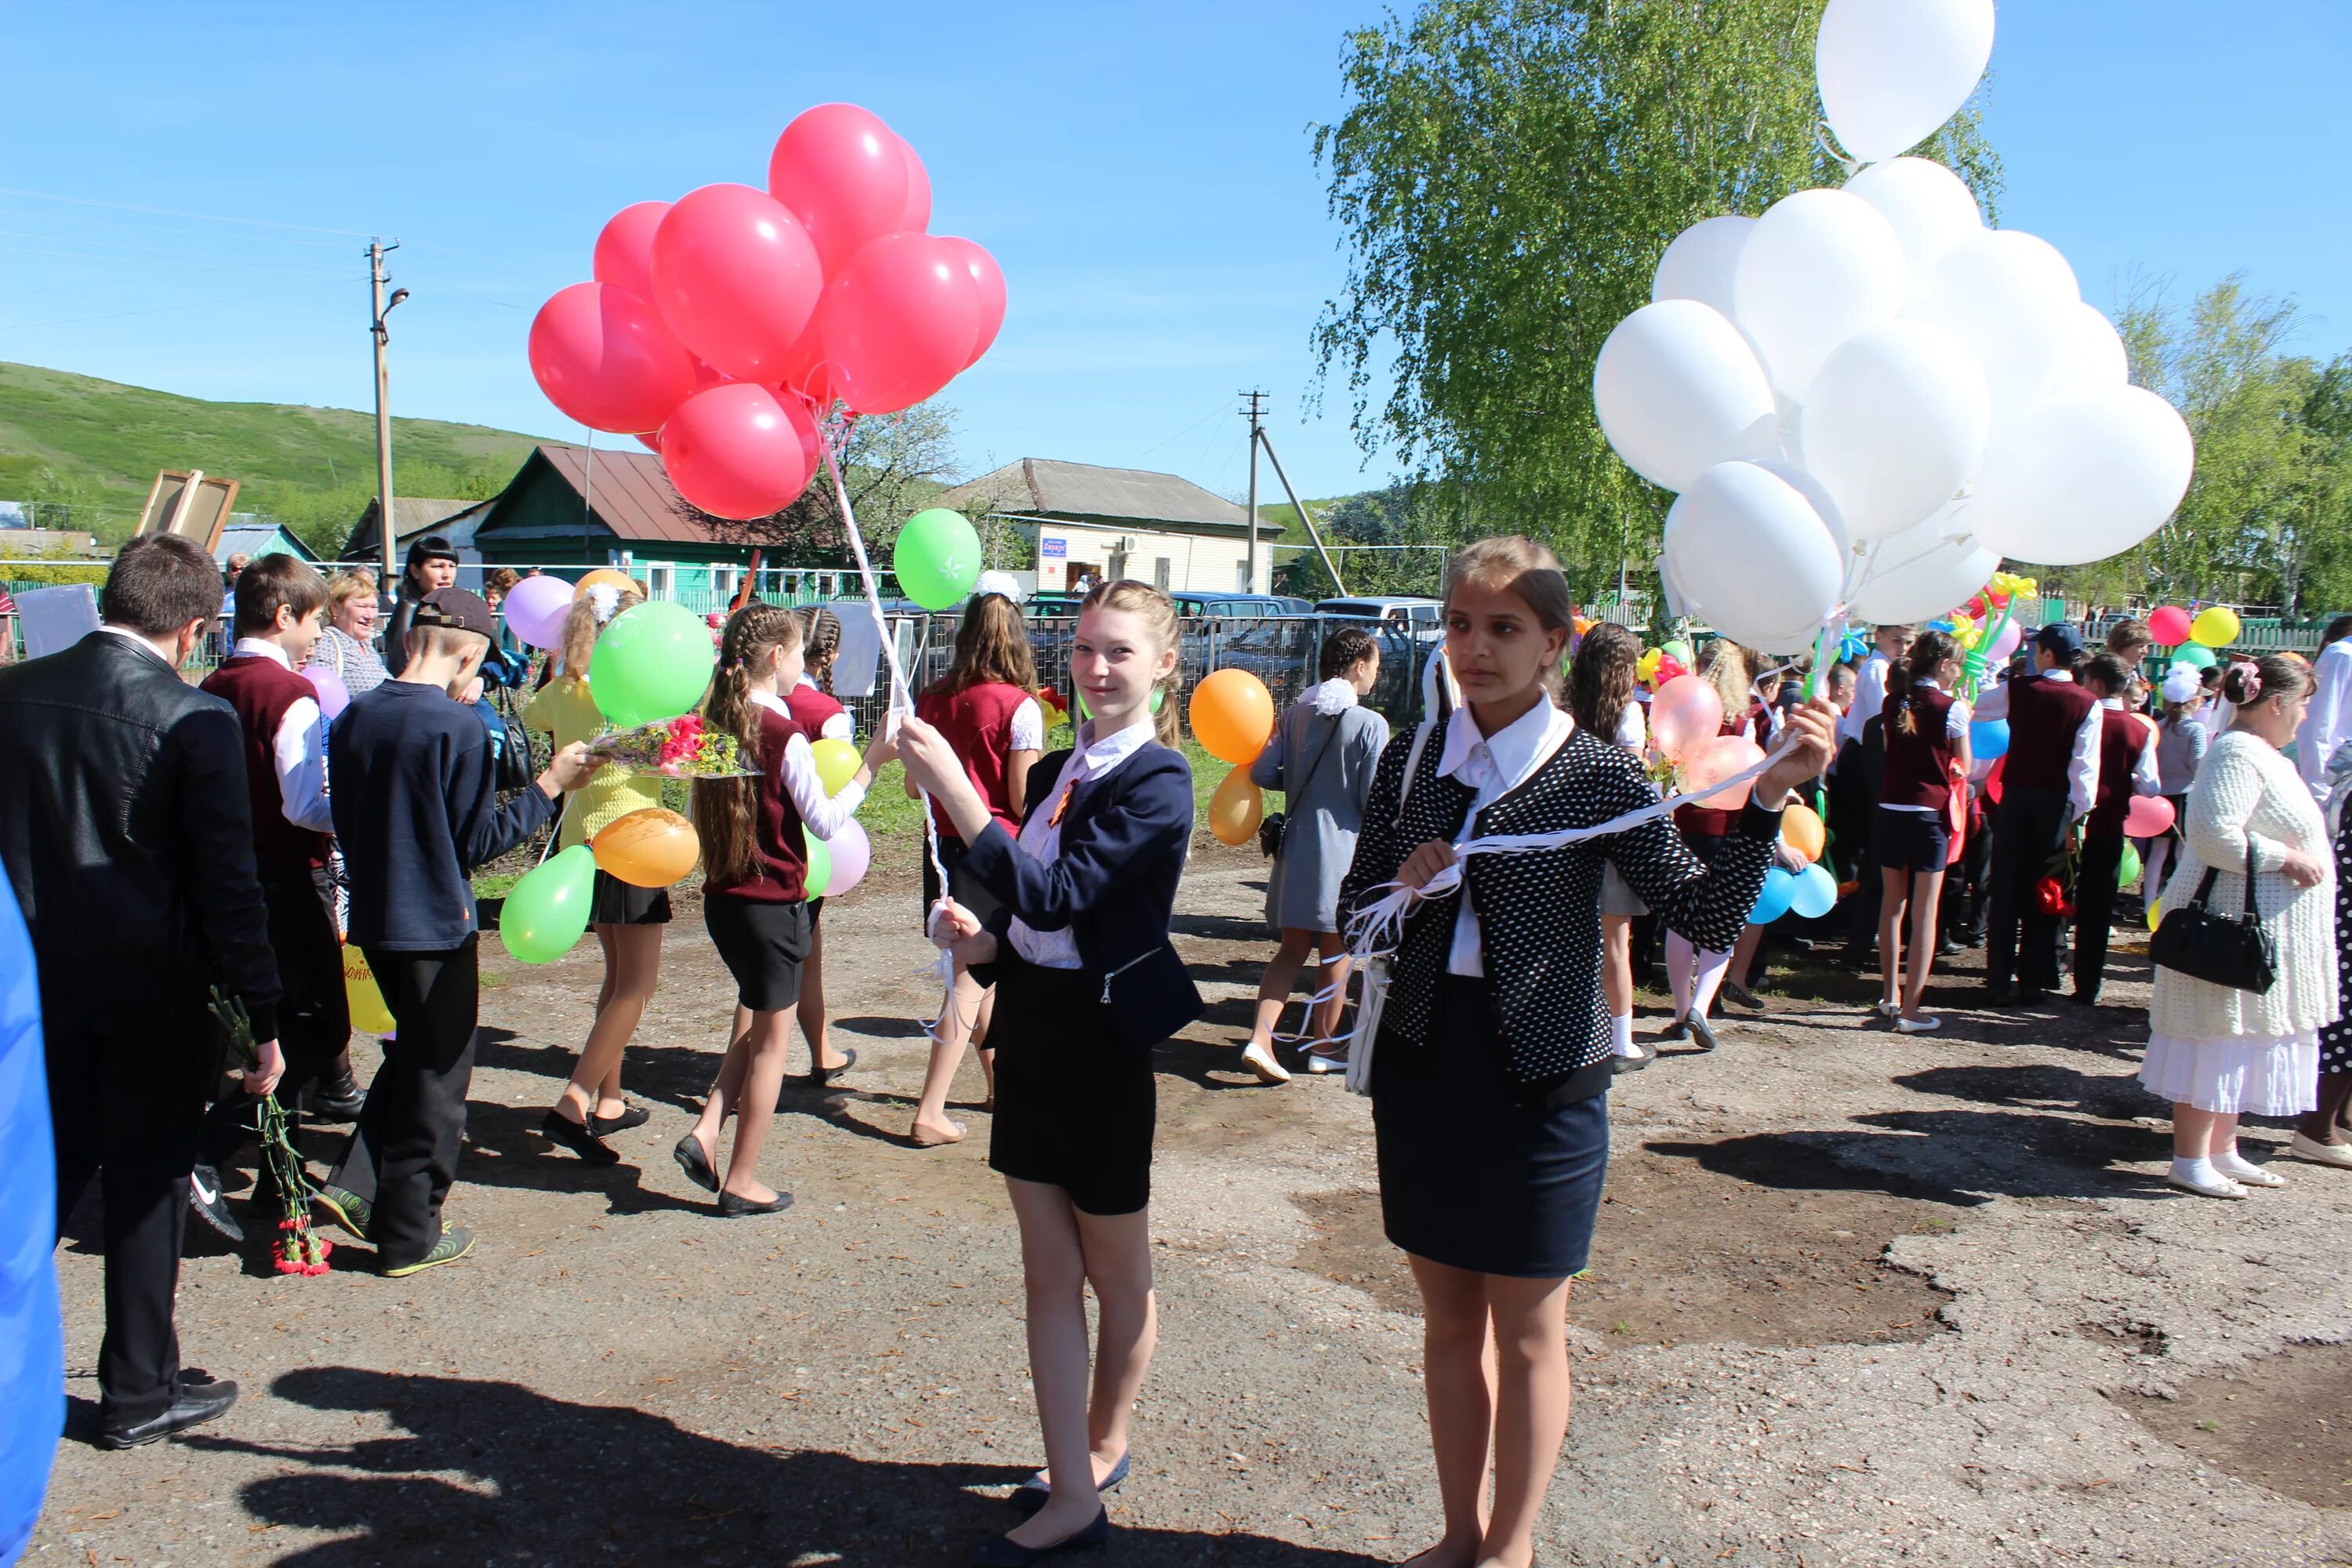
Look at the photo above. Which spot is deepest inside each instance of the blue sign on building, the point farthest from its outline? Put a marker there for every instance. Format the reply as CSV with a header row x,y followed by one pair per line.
x,y
1053,549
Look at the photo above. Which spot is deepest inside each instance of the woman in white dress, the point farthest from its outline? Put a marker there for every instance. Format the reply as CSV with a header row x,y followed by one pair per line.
x,y
2218,1053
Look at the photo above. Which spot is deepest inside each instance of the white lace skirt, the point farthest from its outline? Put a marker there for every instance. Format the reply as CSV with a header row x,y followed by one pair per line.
x,y
2248,1075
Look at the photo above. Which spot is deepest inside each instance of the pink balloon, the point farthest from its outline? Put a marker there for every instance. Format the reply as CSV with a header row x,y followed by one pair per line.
x,y
2006,643
604,356
333,695
853,852
1711,761
988,279
736,278
917,217
739,451
898,323
649,439
536,609
1686,711
2147,815
844,175
2169,626
625,249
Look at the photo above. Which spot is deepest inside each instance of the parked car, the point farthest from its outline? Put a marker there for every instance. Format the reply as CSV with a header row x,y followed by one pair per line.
x,y
1234,607
1284,651
1423,616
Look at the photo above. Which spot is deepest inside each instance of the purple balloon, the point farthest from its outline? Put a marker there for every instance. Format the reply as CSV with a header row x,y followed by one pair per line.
x,y
535,610
333,695
852,854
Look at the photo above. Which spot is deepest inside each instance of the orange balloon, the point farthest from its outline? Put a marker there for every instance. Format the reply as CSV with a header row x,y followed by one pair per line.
x,y
1236,809
1801,830
618,579
1233,715
649,848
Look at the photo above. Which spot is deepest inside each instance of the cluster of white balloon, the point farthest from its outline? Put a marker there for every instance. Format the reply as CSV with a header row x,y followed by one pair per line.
x,y
1865,398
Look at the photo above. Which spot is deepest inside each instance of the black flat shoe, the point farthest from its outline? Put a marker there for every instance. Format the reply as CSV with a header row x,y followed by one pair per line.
x,y
822,1075
1004,1552
557,1128
733,1207
1625,1064
335,1095
1677,1030
1031,1494
695,1163
1700,1032
606,1126
211,1204
198,1402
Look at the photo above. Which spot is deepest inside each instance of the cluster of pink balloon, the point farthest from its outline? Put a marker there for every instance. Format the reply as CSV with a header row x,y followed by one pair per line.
x,y
719,327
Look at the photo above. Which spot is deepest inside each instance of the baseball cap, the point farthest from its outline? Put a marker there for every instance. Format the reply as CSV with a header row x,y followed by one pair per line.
x,y
458,610
2059,638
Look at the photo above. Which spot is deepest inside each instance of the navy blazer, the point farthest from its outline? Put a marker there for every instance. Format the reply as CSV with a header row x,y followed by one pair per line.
x,y
1113,886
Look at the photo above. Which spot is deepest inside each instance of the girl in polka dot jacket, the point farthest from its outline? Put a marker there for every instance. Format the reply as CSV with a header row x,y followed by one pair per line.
x,y
1495,1049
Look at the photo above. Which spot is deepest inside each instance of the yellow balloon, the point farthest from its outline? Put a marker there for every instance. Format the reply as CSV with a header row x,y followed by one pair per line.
x,y
652,847
618,578
1236,809
2216,625
365,998
1645,668
1801,830
2155,913
837,764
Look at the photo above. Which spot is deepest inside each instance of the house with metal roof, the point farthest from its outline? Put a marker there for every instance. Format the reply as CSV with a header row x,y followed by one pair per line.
x,y
414,517
1093,524
254,537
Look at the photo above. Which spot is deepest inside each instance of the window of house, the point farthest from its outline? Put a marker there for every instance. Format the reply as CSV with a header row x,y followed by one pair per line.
x,y
657,580
1160,571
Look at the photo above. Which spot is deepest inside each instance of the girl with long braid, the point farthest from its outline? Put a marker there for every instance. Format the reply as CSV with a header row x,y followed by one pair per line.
x,y
818,712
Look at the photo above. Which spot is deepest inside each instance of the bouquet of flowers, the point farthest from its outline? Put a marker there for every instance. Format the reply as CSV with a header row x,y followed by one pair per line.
x,y
297,1250
2054,893
680,748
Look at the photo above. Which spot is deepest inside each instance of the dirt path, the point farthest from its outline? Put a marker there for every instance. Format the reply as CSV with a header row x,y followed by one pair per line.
x,y
1857,1298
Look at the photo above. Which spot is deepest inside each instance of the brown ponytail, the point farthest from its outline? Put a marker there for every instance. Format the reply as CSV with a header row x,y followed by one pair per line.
x,y
821,639
725,810
1600,679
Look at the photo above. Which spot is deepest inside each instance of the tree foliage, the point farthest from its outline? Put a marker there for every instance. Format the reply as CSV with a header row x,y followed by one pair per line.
x,y
1508,172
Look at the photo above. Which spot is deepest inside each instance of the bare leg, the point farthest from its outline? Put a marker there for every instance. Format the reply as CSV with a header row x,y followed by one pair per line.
x,y
2223,1137
1118,1249
955,1026
1334,954
631,967
1053,1274
1743,954
1532,1405
1895,892
1617,964
2195,1133
1926,894
727,1089
1274,986
1458,1375
761,1076
823,1057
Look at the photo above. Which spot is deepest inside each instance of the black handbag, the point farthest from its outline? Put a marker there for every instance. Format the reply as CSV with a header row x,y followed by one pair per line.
x,y
2235,951
1276,824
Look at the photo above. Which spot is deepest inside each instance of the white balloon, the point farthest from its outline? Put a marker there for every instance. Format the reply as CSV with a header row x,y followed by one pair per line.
x,y
1895,423
1891,71
1751,551
2010,299
1817,496
1931,209
1678,390
1819,267
1921,573
2091,353
2086,474
1700,263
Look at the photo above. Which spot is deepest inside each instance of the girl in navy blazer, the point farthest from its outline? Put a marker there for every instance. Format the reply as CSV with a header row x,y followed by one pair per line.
x,y
1088,984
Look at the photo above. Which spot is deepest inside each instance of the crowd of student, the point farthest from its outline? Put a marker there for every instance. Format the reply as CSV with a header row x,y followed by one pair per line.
x,y
229,837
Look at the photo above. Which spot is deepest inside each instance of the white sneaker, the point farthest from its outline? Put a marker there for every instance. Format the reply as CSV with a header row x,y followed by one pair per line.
x,y
2336,1155
2220,1186
1260,1060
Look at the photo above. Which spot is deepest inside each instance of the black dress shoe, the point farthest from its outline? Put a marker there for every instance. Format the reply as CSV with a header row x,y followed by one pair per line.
x,y
205,1196
201,1398
335,1095
1998,994
695,1164
557,1128
1004,1552
731,1206
1701,1033
1036,1491
1947,947
821,1076
631,1116
1624,1063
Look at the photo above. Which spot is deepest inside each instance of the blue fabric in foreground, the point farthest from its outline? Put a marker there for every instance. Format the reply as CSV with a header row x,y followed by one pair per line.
x,y
32,1342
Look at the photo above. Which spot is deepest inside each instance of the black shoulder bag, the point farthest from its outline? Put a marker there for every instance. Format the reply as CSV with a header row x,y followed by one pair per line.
x,y
1271,830
2236,952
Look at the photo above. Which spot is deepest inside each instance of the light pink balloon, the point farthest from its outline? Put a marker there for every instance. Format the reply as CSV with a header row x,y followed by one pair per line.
x,y
1711,761
606,358
2006,643
1686,711
916,217
738,450
625,249
333,695
736,278
898,323
2147,815
536,608
853,852
988,279
843,173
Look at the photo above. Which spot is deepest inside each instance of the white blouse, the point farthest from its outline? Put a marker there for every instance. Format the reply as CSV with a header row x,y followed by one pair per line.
x,y
1493,765
822,815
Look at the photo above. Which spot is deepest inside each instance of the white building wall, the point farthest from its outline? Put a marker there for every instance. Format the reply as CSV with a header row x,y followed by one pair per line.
x,y
1181,563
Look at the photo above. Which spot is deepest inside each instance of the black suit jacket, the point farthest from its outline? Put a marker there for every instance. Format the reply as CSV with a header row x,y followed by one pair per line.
x,y
1113,886
127,834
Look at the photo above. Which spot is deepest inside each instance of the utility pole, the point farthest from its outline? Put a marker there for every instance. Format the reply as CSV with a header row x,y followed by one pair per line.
x,y
1329,565
378,308
1255,412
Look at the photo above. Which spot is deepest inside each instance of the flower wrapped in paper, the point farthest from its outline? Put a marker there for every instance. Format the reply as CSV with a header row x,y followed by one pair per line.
x,y
680,748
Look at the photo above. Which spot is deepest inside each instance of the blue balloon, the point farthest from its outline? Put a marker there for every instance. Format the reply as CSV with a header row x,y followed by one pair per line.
x,y
1780,887
32,1350
1941,626
1815,892
1988,738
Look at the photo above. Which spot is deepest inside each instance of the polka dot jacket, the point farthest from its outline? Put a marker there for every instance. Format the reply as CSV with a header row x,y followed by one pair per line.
x,y
1539,911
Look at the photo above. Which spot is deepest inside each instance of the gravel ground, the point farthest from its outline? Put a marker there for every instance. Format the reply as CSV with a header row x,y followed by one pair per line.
x,y
1857,1298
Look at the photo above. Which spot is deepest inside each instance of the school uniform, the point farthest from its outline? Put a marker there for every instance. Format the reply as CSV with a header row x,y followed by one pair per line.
x,y
2050,778
1914,791
1087,982
986,722
2127,767
1494,1057
821,718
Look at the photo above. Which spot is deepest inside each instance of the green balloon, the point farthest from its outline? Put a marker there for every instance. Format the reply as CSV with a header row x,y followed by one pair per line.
x,y
652,662
547,911
1678,650
2194,654
820,864
2127,869
1158,697
937,557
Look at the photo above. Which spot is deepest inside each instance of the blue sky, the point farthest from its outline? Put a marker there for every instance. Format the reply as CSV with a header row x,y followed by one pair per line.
x,y
1143,174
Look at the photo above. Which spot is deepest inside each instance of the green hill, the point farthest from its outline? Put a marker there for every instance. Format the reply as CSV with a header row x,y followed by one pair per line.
x,y
95,445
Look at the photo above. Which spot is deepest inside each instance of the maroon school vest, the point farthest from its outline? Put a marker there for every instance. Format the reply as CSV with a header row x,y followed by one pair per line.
x,y
1918,765
779,870
2043,717
978,722
2121,737
261,690
809,708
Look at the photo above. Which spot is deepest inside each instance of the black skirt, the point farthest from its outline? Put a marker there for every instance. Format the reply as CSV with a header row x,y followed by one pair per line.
x,y
1468,1178
969,890
614,902
1076,1105
763,946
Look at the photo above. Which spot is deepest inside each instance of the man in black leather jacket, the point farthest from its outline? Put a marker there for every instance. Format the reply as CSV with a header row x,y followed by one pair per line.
x,y
127,836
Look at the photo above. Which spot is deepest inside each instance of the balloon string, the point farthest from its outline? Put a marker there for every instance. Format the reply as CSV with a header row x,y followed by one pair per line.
x,y
900,700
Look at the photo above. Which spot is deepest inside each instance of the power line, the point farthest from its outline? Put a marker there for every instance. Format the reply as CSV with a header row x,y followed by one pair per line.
x,y
170,212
